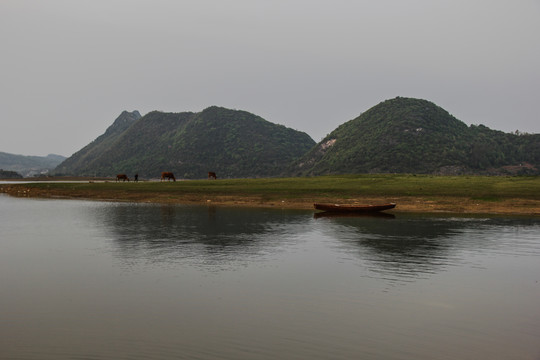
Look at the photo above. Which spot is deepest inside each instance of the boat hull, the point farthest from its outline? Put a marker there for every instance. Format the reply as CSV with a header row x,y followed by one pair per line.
x,y
353,208
336,214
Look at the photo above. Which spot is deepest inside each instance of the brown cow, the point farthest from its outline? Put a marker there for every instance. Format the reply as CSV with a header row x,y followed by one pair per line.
x,y
122,177
167,174
212,174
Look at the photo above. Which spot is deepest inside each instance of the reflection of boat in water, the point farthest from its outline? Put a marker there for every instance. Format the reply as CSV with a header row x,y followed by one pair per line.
x,y
352,208
335,214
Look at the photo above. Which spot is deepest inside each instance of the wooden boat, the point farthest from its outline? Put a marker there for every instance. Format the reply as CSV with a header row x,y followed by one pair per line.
x,y
354,207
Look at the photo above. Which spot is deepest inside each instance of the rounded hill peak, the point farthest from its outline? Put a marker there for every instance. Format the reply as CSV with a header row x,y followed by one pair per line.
x,y
396,135
411,113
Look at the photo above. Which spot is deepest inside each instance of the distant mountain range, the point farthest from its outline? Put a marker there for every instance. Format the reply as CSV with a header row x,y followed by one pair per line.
x,y
29,165
401,135
231,143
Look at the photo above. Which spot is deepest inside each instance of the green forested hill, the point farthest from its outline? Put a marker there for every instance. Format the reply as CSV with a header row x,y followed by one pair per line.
x,y
231,143
401,135
86,161
405,135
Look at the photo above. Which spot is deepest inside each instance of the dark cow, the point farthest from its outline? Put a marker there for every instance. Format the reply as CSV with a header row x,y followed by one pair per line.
x,y
167,174
122,177
211,175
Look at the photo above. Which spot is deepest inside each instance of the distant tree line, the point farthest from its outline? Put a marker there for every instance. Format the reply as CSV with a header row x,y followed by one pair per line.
x,y
7,174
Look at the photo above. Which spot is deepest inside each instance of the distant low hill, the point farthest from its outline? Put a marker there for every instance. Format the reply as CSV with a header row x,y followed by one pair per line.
x,y
405,135
232,143
29,165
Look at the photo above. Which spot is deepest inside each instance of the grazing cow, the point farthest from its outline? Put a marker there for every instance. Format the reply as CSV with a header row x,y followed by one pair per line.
x,y
167,174
122,177
212,174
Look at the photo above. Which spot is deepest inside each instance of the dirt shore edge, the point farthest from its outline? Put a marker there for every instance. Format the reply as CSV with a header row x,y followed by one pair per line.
x,y
458,205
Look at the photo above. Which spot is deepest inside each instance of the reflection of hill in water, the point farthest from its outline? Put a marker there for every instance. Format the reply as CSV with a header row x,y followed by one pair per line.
x,y
168,232
398,248
409,246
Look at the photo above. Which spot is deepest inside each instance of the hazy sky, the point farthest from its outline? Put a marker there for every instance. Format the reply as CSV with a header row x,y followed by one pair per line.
x,y
70,67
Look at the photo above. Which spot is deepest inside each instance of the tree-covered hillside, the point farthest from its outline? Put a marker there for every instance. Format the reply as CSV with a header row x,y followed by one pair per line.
x,y
84,161
400,135
405,135
231,143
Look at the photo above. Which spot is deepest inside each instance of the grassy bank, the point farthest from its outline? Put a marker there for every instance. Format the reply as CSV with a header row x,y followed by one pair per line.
x,y
474,194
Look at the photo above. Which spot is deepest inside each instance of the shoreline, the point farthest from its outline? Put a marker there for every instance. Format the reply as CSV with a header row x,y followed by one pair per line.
x,y
413,204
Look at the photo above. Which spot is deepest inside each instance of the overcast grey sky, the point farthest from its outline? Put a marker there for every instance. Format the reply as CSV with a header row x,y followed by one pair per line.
x,y
70,67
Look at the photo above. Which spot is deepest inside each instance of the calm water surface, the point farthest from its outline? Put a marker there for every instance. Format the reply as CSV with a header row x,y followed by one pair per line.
x,y
94,280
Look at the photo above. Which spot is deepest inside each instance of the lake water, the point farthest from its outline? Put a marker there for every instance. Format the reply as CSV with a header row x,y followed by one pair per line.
x,y
97,280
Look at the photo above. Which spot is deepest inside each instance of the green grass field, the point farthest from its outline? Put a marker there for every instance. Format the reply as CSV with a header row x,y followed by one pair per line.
x,y
484,188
